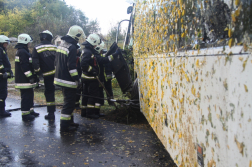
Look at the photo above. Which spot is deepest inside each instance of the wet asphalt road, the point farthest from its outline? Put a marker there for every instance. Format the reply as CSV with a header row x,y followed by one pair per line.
x,y
96,143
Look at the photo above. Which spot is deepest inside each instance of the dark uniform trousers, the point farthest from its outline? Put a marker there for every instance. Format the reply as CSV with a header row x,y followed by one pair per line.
x,y
50,93
78,95
108,86
69,100
3,92
27,96
92,105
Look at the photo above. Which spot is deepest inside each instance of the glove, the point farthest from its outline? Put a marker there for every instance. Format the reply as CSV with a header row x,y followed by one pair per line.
x,y
5,75
11,74
78,83
32,80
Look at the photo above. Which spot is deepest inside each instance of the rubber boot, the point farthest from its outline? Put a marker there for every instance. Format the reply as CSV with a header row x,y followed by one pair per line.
x,y
65,126
83,113
28,117
4,113
92,113
35,114
50,116
72,122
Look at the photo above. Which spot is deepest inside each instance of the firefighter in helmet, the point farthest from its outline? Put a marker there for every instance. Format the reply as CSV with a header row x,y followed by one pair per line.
x,y
90,75
5,73
43,56
105,75
66,75
25,78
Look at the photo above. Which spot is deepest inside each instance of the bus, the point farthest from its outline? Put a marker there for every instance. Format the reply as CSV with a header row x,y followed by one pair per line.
x,y
192,59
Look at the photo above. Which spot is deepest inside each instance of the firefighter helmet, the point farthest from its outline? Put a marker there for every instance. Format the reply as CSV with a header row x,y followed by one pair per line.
x,y
76,32
4,39
100,47
46,35
24,39
94,39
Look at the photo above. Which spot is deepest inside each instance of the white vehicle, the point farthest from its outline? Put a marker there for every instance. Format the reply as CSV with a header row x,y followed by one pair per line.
x,y
193,63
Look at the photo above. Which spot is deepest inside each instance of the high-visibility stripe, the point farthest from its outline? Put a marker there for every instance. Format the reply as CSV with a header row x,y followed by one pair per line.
x,y
37,70
4,52
87,77
46,46
50,103
17,59
30,60
1,67
1,100
62,50
90,68
25,85
46,49
73,72
90,106
7,74
64,83
97,105
28,73
49,73
77,102
92,56
83,107
25,112
110,58
65,117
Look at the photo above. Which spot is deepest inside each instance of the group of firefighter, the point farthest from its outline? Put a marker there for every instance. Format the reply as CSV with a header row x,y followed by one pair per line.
x,y
77,71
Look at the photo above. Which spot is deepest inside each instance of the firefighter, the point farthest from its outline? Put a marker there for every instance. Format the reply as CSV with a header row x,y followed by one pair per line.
x,y
90,73
43,56
25,78
5,72
105,75
77,101
66,75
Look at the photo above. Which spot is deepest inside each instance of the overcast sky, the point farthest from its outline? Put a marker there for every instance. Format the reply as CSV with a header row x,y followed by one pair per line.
x,y
107,12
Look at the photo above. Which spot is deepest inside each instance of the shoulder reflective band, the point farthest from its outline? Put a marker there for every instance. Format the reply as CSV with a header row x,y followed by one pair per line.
x,y
62,50
90,68
73,72
65,117
46,48
4,52
1,67
49,73
92,56
28,73
87,77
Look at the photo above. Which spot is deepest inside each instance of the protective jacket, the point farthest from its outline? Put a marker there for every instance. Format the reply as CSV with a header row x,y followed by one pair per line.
x,y
66,71
5,65
108,71
90,61
23,68
43,57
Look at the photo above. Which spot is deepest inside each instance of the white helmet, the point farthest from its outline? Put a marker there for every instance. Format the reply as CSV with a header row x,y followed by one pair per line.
x,y
100,47
24,39
76,32
94,39
4,39
47,32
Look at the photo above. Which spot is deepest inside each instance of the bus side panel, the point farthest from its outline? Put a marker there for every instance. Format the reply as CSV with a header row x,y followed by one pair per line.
x,y
200,101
